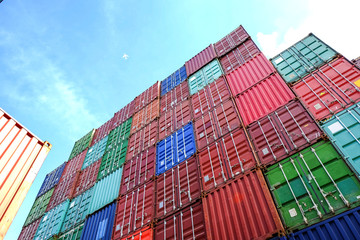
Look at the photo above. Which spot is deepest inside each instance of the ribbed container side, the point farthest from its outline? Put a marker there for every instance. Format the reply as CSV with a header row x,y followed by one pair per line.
x,y
101,132
226,118
173,80
39,207
183,114
72,234
113,159
143,139
250,73
87,178
106,190
123,114
143,234
74,164
263,98
147,96
175,96
201,103
239,56
139,170
331,89
312,185
356,62
166,123
219,91
51,179
95,153
135,210
283,132
185,224
119,134
302,58
231,40
81,144
52,221
78,210
29,231
344,132
145,116
200,60
205,130
99,225
204,76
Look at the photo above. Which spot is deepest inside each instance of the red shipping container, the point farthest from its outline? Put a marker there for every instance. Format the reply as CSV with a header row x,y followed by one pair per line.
x,y
87,178
231,40
74,164
331,89
263,98
102,132
138,170
218,91
123,114
205,130
282,133
145,116
239,56
147,96
183,114
200,60
143,234
166,124
29,231
241,209
226,118
186,224
252,72
201,103
175,96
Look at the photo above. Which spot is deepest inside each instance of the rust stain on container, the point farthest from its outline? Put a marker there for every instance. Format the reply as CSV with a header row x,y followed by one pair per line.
x,y
200,60
231,40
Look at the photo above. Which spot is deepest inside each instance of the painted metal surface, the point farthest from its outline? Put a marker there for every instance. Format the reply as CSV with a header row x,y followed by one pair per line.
x,y
143,234
185,224
283,132
231,40
344,132
123,114
205,130
226,118
52,221
39,207
95,153
166,123
356,62
81,144
99,225
119,134
219,91
302,58
135,210
182,113
102,132
29,231
312,185
241,209
201,103
263,98
51,179
138,170
175,96
173,80
200,60
239,56
74,164
204,76
145,116
87,178
250,73
174,149
147,96
331,89
106,190
72,234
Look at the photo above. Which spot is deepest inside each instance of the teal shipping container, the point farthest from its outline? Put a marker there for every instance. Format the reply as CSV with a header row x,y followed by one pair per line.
x,y
95,153
72,234
343,130
39,207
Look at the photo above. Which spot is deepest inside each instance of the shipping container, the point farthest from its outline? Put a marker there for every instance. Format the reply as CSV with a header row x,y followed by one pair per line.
x,y
99,225
145,116
166,123
331,89
123,114
147,96
51,179
344,132
230,41
302,58
95,153
356,62
87,178
239,56
250,73
39,207
143,234
106,190
29,231
175,96
219,91
185,224
74,164
119,134
201,103
173,80
182,112
263,98
312,185
283,132
226,118
204,76
72,234
81,144
102,132
205,130
241,209
200,60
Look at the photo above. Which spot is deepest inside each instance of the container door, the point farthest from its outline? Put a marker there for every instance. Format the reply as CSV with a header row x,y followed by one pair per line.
x,y
184,143
226,118
166,193
205,130
188,186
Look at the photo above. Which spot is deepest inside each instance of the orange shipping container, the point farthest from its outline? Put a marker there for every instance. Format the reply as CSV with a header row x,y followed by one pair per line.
x,y
145,116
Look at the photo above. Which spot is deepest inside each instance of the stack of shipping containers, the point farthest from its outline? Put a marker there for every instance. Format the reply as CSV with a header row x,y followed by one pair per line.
x,y
229,146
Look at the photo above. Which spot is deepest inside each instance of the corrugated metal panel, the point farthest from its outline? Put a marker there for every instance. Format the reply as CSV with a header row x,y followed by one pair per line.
x,y
226,118
173,80
106,190
39,207
263,98
102,131
182,113
29,231
145,116
119,134
99,224
95,153
312,185
356,62
74,165
250,73
329,90
175,96
147,96
302,58
81,144
143,234
201,103
205,130
87,178
219,91
231,40
72,234
242,209
281,133
344,131
200,60
239,56
204,76
51,179
52,221
166,124
123,114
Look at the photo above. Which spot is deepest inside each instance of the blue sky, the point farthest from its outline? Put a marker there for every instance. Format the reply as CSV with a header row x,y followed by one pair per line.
x,y
62,71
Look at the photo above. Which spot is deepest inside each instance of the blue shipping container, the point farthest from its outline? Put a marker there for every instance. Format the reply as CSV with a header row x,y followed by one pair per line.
x,y
173,80
99,225
175,149
51,179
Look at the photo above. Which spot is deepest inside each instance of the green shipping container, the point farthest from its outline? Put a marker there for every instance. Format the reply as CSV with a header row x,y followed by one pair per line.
x,y
312,185
119,134
73,234
39,207
81,144
95,153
